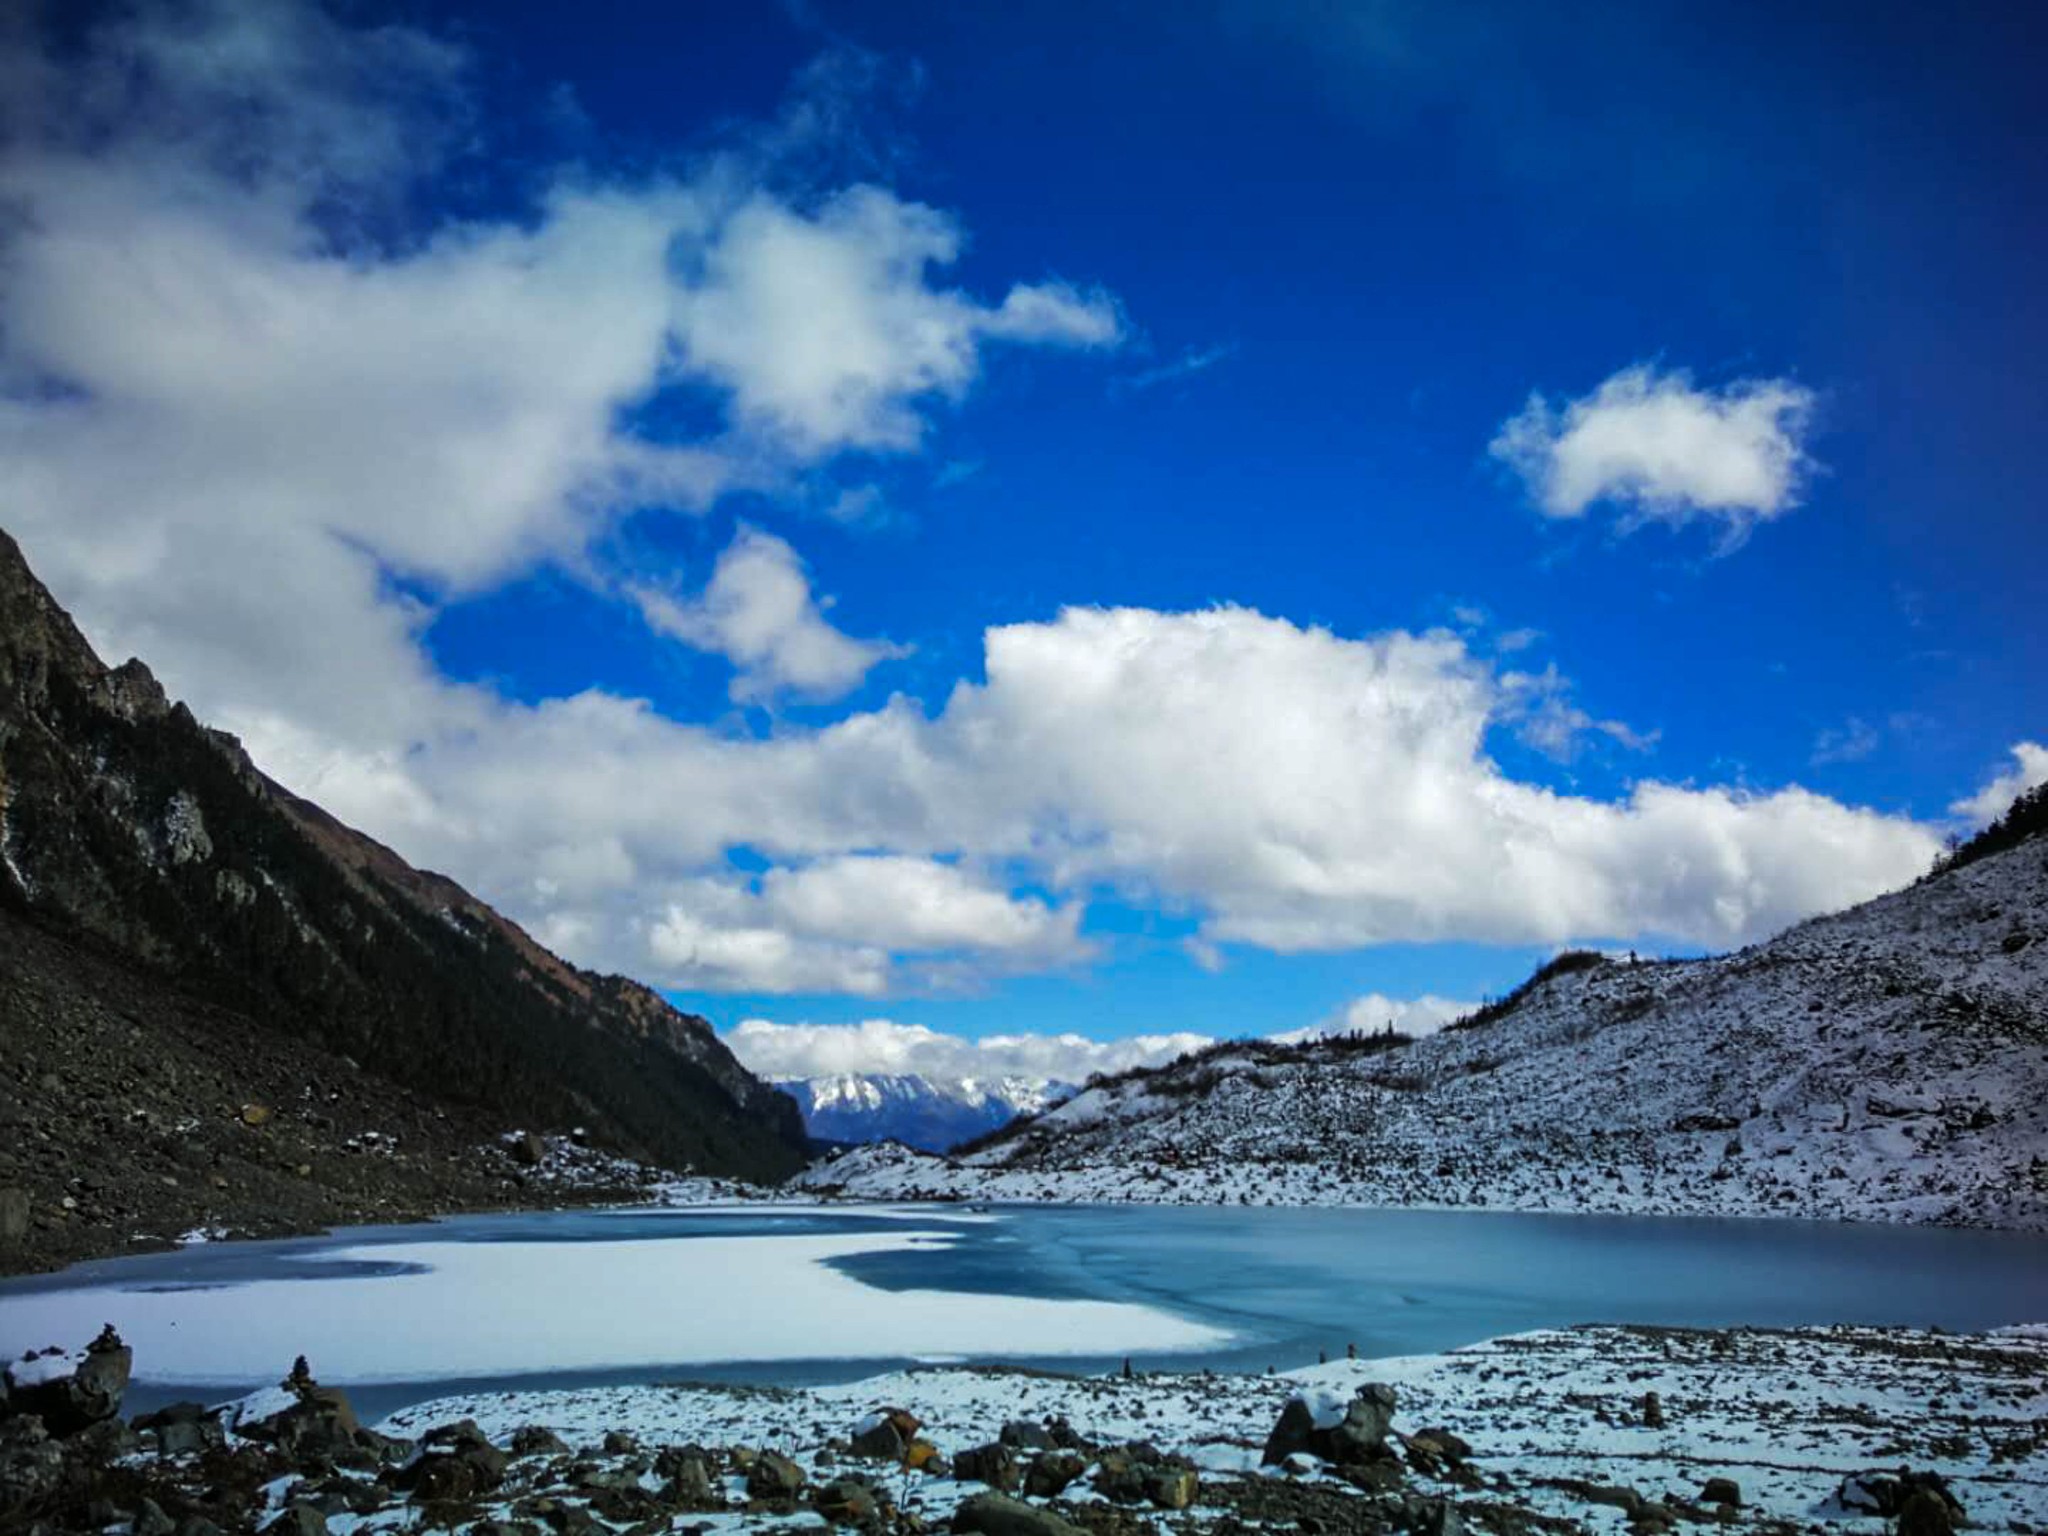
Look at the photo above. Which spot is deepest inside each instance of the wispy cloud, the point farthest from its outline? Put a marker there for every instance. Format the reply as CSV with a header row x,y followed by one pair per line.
x,y
1850,742
1191,361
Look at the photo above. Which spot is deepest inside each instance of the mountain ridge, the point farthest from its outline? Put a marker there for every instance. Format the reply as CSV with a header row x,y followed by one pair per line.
x,y
1888,1062
128,825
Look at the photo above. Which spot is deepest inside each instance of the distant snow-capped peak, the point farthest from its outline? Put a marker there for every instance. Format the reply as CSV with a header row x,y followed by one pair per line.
x,y
929,1112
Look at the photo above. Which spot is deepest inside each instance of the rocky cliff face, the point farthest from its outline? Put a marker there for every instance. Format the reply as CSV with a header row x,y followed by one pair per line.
x,y
127,826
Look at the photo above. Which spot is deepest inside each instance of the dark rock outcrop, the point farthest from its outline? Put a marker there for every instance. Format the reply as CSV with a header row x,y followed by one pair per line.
x,y
1360,1436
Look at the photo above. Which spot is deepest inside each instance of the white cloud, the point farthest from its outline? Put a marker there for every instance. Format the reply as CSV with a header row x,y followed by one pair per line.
x,y
2029,770
1668,451
883,1045
827,333
759,613
226,426
1373,1012
861,925
723,946
916,905
1295,789
230,413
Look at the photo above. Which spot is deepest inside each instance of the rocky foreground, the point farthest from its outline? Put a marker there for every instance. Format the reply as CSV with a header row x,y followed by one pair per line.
x,y
1599,1430
133,1116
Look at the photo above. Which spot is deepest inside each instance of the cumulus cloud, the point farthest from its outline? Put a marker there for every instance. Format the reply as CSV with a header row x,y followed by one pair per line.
x,y
237,399
2029,770
1665,449
919,905
722,942
1375,1011
242,386
857,925
758,612
1296,789
882,1045
828,334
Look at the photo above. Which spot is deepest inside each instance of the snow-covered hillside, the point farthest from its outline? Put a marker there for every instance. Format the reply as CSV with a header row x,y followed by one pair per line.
x,y
934,1114
1889,1063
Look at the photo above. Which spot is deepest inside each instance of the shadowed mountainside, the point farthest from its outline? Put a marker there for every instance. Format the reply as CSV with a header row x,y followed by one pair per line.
x,y
129,828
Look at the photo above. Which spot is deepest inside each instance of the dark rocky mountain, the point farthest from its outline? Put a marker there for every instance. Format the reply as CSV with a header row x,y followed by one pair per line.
x,y
138,837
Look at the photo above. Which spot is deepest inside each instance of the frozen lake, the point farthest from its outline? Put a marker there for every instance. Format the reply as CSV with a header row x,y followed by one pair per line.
x,y
798,1294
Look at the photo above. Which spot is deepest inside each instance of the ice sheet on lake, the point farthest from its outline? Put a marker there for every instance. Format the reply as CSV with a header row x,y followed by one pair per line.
x,y
509,1308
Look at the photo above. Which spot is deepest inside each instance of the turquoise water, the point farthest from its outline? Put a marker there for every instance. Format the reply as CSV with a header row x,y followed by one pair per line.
x,y
1288,1284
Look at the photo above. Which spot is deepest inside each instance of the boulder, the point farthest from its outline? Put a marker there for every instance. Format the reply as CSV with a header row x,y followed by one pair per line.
x,y
995,1464
1024,1435
995,1514
1051,1473
538,1440
1887,1493
31,1464
1926,1513
456,1461
183,1429
69,1392
1434,1451
313,1434
1653,1411
1363,1434
299,1520
1171,1487
876,1438
627,1505
435,1478
774,1476
690,1485
528,1149
847,1501
1721,1490
1422,1516
1294,1434
1119,1477
1348,1435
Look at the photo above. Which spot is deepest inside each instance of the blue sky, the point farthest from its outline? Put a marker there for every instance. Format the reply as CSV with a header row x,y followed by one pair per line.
x,y
657,464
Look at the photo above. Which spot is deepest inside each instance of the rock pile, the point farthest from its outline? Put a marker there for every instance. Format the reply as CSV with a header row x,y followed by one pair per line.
x,y
291,1462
